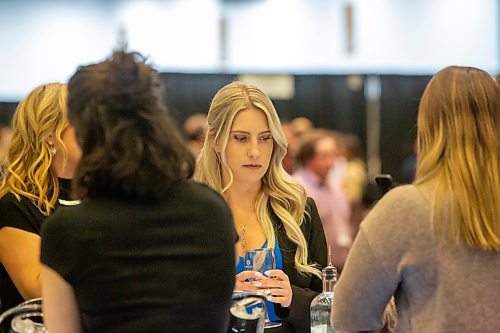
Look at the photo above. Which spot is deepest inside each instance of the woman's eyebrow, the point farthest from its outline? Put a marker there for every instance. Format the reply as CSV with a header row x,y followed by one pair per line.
x,y
246,132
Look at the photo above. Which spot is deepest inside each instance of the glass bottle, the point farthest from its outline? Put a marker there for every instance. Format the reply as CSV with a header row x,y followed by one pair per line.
x,y
321,305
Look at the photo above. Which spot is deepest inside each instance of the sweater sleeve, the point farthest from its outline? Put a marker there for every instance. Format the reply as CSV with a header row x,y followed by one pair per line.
x,y
377,261
362,292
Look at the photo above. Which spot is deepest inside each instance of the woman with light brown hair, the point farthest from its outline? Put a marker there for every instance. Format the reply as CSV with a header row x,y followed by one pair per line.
x,y
435,244
41,160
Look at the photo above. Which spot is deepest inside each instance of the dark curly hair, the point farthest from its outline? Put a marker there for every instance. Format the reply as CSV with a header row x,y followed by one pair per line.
x,y
131,147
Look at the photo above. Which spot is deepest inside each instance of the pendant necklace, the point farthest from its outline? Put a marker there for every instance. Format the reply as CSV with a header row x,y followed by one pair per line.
x,y
244,232
244,227
243,236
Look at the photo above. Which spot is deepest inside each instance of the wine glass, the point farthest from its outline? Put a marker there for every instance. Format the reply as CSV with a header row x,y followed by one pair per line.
x,y
261,260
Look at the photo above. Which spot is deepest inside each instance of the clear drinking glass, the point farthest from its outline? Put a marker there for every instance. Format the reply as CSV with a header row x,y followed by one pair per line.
x,y
26,317
248,311
262,260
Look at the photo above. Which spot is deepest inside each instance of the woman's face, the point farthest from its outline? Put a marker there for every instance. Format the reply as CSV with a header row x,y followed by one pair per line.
x,y
249,146
66,170
71,143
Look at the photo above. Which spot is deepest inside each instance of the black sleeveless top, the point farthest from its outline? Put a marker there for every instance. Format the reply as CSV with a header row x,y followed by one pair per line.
x,y
22,215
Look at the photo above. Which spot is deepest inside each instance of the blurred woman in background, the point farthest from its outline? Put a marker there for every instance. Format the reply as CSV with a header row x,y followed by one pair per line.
x,y
435,245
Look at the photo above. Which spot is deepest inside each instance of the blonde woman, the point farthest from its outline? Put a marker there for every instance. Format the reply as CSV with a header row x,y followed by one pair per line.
x,y
41,160
435,245
242,159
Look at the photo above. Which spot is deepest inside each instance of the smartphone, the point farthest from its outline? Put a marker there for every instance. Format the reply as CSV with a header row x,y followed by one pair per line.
x,y
385,182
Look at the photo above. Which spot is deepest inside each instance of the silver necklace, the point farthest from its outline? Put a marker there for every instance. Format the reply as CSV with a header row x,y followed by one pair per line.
x,y
243,236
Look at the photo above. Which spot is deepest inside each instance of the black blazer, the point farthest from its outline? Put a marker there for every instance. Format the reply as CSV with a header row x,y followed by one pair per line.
x,y
296,318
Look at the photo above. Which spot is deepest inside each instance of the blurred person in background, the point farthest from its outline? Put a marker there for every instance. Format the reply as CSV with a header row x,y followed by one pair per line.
x,y
291,149
146,250
301,125
293,130
435,245
41,161
242,160
195,130
355,178
316,156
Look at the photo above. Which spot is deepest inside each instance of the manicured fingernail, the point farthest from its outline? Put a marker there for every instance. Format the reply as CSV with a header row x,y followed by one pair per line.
x,y
268,273
258,274
257,283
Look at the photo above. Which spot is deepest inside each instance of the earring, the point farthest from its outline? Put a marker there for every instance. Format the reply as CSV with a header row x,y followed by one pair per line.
x,y
52,149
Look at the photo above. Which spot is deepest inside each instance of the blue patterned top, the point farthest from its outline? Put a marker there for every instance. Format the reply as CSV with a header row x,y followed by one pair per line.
x,y
279,265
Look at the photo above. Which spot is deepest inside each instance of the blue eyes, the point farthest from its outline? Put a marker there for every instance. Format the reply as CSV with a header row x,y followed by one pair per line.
x,y
244,138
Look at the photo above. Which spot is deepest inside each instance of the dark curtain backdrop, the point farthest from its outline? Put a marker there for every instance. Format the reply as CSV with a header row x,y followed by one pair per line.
x,y
6,111
328,100
399,103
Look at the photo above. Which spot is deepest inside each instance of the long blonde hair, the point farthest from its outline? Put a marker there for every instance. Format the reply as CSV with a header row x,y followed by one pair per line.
x,y
458,151
28,172
285,196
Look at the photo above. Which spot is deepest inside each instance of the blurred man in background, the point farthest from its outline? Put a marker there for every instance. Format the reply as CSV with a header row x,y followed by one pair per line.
x,y
316,156
195,130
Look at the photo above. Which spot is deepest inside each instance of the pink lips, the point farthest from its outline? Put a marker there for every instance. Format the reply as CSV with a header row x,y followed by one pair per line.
x,y
252,166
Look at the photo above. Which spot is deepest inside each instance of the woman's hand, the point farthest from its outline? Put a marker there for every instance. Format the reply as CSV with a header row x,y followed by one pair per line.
x,y
279,286
248,281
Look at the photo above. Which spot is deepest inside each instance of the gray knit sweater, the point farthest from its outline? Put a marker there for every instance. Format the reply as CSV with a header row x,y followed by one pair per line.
x,y
438,287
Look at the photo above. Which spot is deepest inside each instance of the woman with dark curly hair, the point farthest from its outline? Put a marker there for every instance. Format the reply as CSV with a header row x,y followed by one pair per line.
x,y
134,256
